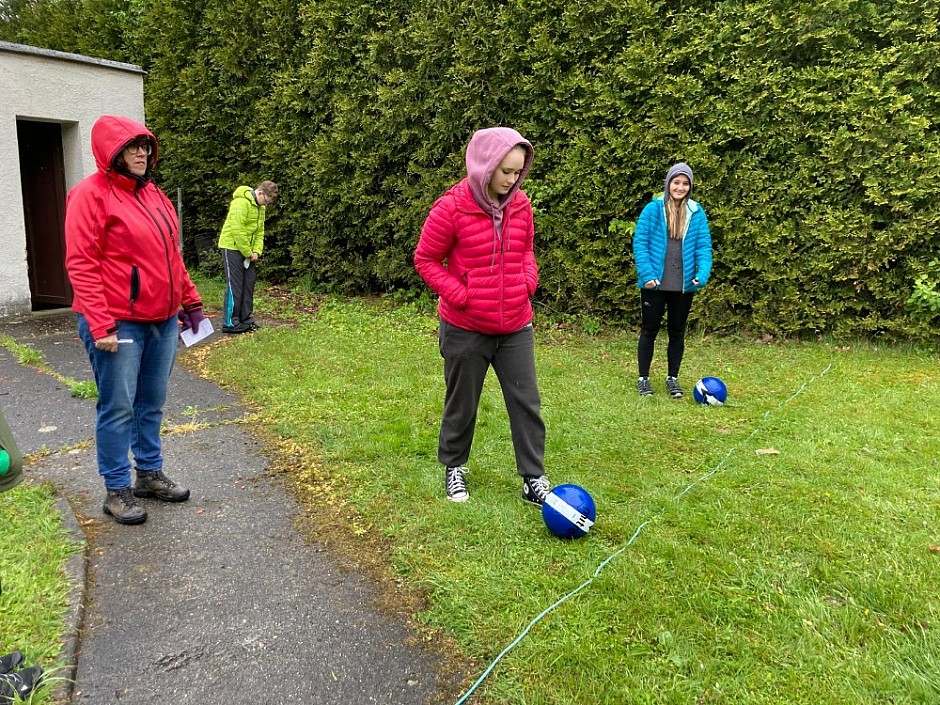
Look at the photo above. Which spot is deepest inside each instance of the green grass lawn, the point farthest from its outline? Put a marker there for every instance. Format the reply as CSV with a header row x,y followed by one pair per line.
x,y
803,575
34,548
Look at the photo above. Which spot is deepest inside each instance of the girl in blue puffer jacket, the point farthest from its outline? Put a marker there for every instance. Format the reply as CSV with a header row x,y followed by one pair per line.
x,y
672,248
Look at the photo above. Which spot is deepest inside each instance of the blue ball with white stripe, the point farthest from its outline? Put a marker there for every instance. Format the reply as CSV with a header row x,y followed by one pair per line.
x,y
711,391
569,511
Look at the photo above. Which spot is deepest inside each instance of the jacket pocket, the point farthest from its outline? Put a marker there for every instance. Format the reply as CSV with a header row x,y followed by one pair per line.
x,y
466,284
135,286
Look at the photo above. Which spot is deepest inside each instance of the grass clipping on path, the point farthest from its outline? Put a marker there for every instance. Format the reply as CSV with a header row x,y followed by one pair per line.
x,y
804,575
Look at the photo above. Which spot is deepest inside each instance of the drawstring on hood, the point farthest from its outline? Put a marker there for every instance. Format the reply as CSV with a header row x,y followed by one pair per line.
x,y
485,151
487,148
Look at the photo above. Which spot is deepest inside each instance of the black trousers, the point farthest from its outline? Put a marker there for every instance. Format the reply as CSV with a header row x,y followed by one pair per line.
x,y
654,304
239,301
467,358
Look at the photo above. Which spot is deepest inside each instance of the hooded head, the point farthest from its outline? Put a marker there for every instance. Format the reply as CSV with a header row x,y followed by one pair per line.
x,y
487,148
111,133
674,171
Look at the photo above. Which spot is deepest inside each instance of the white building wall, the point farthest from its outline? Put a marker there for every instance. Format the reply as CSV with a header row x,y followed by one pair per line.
x,y
50,86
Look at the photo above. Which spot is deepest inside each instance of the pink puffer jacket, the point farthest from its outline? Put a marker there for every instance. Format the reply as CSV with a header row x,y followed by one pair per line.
x,y
485,281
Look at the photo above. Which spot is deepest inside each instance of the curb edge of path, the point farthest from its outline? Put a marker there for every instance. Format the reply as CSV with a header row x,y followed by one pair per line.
x,y
76,571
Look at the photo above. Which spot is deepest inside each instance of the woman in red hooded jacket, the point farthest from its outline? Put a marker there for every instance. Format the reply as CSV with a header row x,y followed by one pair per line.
x,y
476,252
131,291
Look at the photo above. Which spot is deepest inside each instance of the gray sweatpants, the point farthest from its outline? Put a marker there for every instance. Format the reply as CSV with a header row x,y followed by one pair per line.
x,y
467,358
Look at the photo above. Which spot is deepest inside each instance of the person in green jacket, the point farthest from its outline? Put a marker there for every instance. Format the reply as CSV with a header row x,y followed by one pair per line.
x,y
242,242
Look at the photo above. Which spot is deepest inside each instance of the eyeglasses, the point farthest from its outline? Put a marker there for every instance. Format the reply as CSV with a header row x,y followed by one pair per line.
x,y
140,146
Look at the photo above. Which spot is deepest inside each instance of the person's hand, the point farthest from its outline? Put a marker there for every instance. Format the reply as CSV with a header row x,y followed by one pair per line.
x,y
254,256
652,284
109,343
695,281
191,319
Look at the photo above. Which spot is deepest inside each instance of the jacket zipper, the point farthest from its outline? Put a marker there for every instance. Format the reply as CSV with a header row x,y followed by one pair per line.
x,y
166,248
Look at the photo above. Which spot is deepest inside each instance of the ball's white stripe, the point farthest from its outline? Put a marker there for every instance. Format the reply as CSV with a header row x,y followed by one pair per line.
x,y
568,512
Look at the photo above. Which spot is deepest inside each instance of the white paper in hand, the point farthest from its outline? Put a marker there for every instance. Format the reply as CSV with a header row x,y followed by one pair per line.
x,y
247,262
205,330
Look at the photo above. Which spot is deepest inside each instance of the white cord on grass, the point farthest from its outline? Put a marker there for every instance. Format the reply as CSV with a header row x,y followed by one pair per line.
x,y
633,538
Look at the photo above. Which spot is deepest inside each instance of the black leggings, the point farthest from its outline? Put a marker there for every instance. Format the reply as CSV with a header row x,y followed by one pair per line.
x,y
676,305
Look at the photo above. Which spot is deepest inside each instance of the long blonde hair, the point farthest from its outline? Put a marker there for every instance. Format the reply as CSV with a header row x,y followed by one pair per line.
x,y
676,214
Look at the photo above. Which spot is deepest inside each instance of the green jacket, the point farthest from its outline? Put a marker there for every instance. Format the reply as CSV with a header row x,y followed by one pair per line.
x,y
243,229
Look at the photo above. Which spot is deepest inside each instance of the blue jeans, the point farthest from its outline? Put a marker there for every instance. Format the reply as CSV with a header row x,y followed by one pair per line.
x,y
132,386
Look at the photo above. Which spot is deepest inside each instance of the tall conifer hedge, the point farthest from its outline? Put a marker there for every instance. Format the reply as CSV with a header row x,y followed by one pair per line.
x,y
811,127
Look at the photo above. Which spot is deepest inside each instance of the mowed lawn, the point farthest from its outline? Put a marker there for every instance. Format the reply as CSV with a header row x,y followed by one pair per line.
x,y
34,550
788,551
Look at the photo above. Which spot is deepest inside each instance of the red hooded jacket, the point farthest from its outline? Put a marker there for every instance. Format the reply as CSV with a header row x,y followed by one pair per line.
x,y
122,239
480,260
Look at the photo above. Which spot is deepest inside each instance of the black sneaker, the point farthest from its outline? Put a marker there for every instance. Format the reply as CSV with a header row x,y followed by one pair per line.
x,y
535,489
455,485
21,684
672,385
157,485
122,505
10,662
237,329
644,387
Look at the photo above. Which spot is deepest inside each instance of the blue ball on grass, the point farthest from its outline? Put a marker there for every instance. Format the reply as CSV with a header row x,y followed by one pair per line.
x,y
711,391
569,511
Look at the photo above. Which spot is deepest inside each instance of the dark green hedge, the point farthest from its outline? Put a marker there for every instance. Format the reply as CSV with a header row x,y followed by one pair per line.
x,y
811,127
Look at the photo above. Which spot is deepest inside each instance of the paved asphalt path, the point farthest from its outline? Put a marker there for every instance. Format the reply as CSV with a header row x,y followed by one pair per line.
x,y
217,600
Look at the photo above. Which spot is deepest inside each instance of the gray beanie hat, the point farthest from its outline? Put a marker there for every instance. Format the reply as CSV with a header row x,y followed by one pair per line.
x,y
675,170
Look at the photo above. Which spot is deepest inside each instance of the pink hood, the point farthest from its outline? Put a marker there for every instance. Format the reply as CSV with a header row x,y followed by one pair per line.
x,y
486,150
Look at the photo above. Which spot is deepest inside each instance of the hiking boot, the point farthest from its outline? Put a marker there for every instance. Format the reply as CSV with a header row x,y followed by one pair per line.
x,y
535,489
21,684
455,485
157,485
644,387
10,662
123,507
672,385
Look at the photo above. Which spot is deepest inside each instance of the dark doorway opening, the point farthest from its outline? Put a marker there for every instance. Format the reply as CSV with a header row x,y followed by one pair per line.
x,y
42,175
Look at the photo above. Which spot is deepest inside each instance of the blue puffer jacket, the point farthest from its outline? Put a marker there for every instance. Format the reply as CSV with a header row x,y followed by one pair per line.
x,y
651,237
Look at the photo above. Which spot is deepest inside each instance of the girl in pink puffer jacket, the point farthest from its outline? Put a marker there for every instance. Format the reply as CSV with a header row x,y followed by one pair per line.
x,y
476,252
